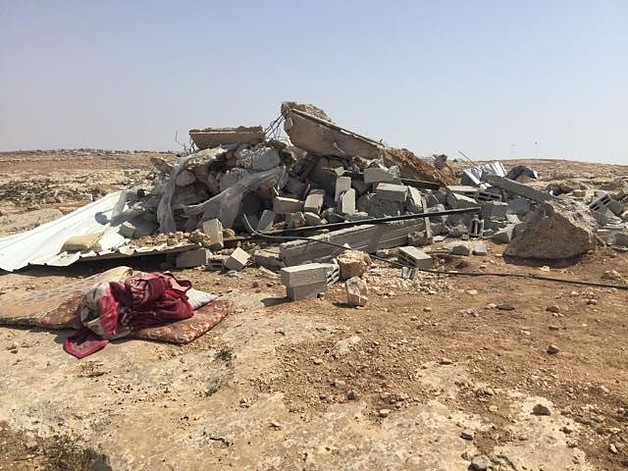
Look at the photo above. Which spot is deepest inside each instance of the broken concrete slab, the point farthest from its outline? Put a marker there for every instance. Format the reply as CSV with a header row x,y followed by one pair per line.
x,y
310,129
214,137
368,237
517,188
554,230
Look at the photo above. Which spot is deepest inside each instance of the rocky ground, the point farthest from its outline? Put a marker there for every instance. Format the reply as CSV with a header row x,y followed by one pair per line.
x,y
440,372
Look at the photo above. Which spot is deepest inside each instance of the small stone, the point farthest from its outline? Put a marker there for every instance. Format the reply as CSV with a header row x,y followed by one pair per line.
x,y
352,395
472,292
317,361
602,389
338,383
591,302
383,412
467,434
480,463
553,308
612,275
540,409
566,430
553,327
505,307
613,449
446,361
553,349
427,309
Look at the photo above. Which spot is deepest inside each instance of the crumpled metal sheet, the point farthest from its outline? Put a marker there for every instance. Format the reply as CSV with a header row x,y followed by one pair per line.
x,y
42,245
474,174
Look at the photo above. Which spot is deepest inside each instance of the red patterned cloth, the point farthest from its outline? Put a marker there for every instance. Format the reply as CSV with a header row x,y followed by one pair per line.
x,y
116,309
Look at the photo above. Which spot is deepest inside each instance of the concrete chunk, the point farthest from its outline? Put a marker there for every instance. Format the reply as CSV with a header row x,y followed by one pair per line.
x,y
391,192
353,263
237,260
357,291
213,228
342,184
346,203
193,258
494,210
517,188
314,201
127,230
458,201
377,175
266,221
312,219
284,205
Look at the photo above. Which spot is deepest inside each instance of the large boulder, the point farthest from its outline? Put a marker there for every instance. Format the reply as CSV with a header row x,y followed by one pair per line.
x,y
556,229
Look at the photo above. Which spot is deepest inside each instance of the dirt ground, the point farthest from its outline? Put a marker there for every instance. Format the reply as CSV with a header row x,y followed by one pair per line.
x,y
436,373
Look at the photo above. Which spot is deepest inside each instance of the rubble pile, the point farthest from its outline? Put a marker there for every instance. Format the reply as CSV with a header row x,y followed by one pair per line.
x,y
325,197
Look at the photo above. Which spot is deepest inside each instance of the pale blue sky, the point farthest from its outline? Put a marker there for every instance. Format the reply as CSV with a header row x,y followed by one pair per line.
x,y
431,76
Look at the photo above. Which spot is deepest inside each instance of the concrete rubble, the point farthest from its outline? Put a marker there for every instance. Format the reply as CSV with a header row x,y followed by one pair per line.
x,y
334,196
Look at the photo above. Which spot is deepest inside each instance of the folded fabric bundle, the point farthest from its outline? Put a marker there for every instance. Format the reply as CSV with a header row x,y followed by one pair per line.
x,y
115,309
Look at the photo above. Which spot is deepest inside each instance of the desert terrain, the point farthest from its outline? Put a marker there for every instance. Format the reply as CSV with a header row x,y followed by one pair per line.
x,y
441,372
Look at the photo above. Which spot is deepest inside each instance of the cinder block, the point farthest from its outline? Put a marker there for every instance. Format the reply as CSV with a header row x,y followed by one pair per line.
x,y
284,205
415,258
377,175
476,228
314,201
266,221
237,260
216,262
346,204
193,258
342,184
494,210
308,291
213,228
391,192
301,275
